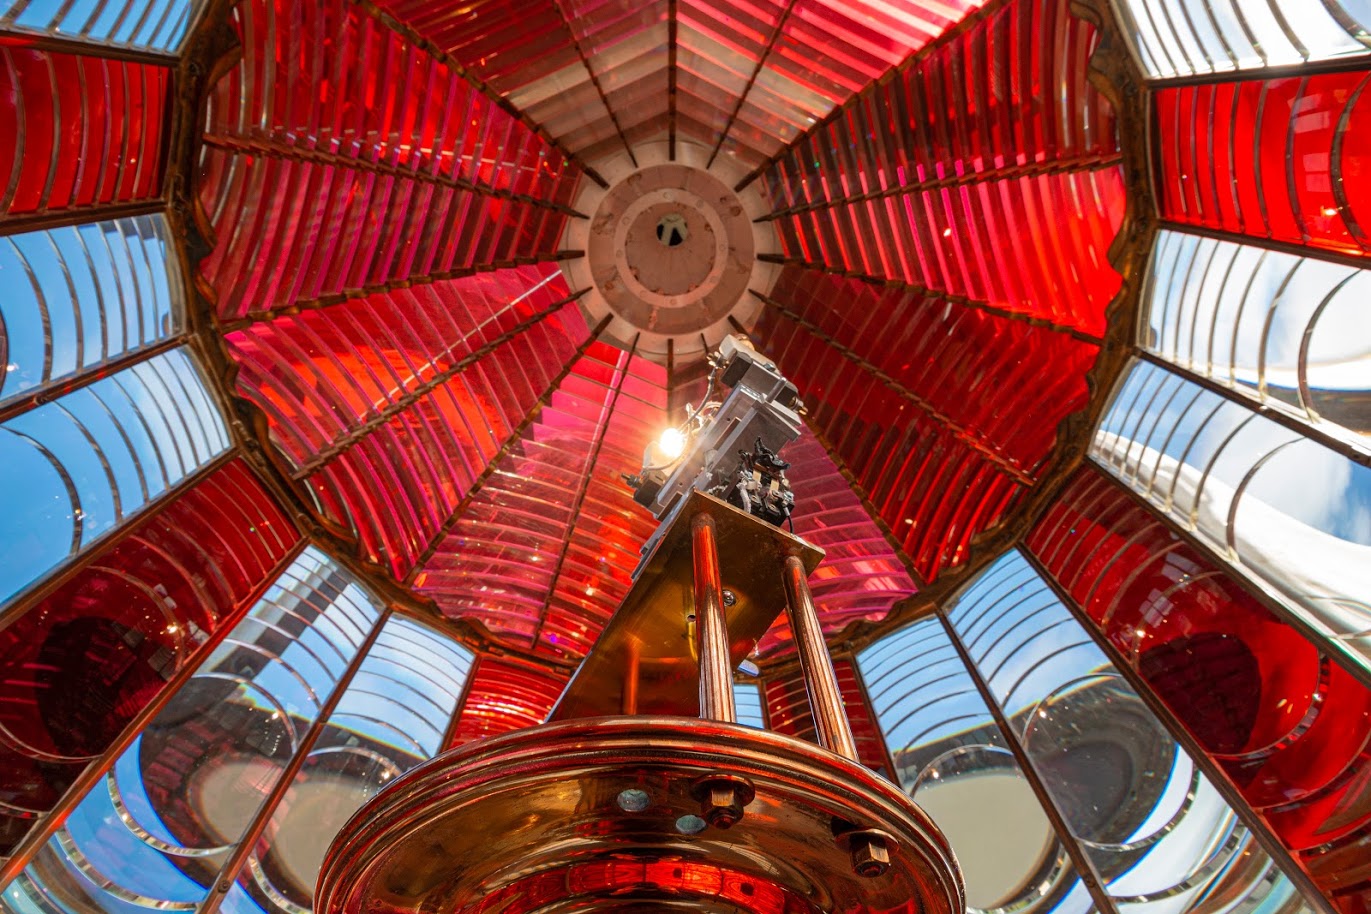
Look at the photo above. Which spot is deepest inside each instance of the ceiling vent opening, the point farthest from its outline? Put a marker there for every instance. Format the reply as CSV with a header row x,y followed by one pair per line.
x,y
672,229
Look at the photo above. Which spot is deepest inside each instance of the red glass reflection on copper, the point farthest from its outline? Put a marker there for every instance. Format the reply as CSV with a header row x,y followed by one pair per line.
x,y
504,695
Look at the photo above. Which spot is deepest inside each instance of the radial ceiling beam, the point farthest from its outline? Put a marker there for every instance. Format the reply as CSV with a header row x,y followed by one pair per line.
x,y
582,491
953,297
336,298
46,41
1067,165
913,60
512,439
60,218
595,81
972,440
345,441
413,37
672,68
771,40
279,150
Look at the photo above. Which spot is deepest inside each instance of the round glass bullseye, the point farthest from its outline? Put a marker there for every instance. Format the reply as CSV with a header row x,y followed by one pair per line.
x,y
633,800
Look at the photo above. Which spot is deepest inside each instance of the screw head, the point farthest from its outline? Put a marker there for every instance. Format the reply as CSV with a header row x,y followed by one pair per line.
x,y
870,855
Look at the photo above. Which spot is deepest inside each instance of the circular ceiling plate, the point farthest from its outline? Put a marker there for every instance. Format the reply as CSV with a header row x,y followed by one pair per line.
x,y
671,250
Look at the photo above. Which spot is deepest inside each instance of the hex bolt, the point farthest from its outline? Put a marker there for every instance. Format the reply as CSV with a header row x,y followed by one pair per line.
x,y
723,799
870,855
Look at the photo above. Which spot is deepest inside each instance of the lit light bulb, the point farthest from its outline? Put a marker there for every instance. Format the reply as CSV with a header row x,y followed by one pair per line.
x,y
672,443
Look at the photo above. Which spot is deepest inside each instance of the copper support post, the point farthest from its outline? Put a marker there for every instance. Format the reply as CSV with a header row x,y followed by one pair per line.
x,y
821,682
630,699
711,628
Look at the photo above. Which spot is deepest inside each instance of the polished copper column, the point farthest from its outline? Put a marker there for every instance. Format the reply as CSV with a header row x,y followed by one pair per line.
x,y
821,682
711,628
630,702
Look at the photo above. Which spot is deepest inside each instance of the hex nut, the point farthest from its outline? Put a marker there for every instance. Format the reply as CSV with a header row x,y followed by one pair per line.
x,y
870,855
723,799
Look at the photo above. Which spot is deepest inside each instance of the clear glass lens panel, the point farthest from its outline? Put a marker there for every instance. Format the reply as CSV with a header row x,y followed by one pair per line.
x,y
393,715
1290,514
1284,721
91,459
1286,331
148,25
1189,37
1152,824
951,757
82,296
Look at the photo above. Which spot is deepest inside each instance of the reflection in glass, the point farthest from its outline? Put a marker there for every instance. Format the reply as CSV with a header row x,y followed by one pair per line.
x,y
81,296
1287,725
149,25
1286,331
950,755
92,458
1292,515
392,716
1188,37
1157,831
747,698
156,830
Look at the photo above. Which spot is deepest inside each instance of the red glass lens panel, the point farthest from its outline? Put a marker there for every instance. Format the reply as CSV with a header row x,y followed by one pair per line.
x,y
504,696
603,549
544,550
595,72
1285,159
83,660
1008,92
334,84
933,487
84,131
365,161
1289,727
583,70
390,406
1035,245
945,354
684,884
